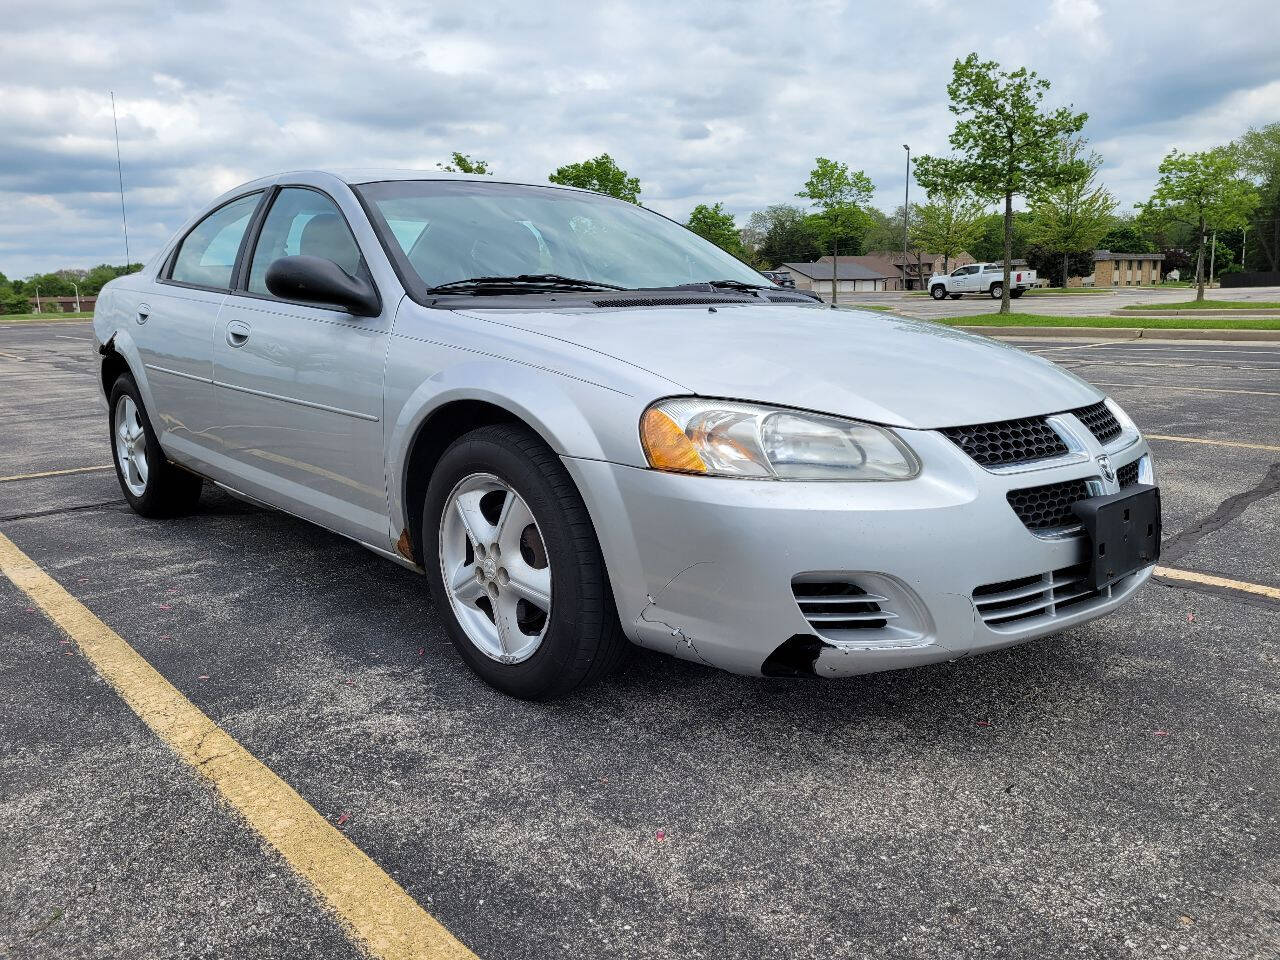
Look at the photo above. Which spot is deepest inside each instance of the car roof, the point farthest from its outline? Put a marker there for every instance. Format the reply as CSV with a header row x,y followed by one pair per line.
x,y
382,174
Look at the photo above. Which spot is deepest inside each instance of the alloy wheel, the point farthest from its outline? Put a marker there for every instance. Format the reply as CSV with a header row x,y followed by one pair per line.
x,y
495,568
131,446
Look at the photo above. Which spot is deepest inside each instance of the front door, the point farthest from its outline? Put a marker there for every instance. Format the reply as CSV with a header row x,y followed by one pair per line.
x,y
298,388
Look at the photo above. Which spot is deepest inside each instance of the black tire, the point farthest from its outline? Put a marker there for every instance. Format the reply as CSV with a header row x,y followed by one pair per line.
x,y
938,292
1016,293
997,291
169,490
583,640
956,296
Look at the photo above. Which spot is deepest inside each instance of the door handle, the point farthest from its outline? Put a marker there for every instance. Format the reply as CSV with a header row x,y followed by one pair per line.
x,y
238,333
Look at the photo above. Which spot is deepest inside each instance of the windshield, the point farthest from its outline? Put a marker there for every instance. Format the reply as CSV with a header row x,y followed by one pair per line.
x,y
451,230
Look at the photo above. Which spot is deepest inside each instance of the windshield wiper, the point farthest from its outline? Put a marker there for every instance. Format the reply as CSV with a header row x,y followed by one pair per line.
x,y
716,285
520,283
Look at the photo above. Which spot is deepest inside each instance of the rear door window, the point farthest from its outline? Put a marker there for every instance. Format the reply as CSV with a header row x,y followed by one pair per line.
x,y
206,257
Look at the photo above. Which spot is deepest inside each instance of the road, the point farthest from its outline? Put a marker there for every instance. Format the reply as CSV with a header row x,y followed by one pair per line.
x,y
1080,304
1110,792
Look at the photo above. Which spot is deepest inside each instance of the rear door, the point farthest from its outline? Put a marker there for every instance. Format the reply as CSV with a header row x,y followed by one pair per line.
x,y
174,326
298,388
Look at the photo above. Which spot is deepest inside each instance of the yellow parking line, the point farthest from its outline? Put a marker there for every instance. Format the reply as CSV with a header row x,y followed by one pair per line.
x,y
1212,581
52,473
1169,386
373,909
1215,443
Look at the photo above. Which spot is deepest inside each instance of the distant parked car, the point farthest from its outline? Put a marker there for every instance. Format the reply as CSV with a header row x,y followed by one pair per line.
x,y
586,424
781,278
981,278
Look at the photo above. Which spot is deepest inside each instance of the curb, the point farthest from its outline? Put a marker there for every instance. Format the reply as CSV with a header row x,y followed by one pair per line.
x,y
1126,333
1174,314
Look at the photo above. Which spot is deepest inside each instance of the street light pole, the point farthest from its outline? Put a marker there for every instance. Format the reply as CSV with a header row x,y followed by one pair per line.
x,y
76,287
38,310
906,216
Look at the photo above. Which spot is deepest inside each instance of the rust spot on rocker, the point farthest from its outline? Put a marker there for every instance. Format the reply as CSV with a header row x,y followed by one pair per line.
x,y
404,547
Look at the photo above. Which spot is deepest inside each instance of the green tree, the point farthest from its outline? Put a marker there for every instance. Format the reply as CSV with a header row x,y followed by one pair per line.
x,y
716,224
463,163
1005,141
949,224
840,194
1205,191
1125,237
782,233
1073,216
1259,151
601,174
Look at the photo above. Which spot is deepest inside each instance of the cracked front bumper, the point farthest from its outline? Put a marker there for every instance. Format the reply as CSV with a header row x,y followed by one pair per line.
x,y
705,568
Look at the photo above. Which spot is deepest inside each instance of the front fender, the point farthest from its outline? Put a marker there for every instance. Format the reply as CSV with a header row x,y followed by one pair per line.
x,y
576,418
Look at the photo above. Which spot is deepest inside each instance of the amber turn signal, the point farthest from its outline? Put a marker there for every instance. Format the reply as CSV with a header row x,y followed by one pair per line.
x,y
666,445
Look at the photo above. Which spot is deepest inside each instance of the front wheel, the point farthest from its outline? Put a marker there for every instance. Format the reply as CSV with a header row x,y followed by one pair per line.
x,y
938,292
997,291
515,568
152,485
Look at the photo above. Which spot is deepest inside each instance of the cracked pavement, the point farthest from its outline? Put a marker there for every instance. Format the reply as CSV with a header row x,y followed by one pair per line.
x,y
1110,792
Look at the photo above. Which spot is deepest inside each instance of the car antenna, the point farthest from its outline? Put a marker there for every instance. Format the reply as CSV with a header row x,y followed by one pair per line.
x,y
124,221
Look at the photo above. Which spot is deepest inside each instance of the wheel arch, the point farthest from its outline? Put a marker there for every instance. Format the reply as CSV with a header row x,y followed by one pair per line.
x,y
437,414
120,355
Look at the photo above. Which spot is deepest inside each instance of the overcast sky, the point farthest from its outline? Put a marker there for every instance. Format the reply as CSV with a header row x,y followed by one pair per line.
x,y
707,101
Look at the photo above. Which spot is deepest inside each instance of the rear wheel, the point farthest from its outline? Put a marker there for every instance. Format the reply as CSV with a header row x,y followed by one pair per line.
x,y
938,292
515,567
997,291
152,485
1016,293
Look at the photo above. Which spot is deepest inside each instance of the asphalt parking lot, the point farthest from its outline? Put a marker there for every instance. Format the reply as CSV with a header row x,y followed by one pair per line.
x,y
1111,792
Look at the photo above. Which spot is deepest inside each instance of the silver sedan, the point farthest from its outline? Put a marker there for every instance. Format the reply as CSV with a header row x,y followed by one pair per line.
x,y
588,426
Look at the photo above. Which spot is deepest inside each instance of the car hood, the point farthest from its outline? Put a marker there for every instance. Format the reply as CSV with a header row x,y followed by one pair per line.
x,y
871,366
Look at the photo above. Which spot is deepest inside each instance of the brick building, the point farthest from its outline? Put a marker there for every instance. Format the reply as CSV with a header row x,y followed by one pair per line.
x,y
1126,269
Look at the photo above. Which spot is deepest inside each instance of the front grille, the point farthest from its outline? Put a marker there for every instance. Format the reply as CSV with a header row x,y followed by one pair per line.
x,y
1009,441
1049,506
1011,603
1100,421
1128,474
836,605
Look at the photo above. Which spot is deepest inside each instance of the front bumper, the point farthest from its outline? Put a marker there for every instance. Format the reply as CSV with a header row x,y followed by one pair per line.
x,y
705,568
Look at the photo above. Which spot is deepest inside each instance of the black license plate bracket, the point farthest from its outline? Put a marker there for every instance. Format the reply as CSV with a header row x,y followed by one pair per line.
x,y
1124,532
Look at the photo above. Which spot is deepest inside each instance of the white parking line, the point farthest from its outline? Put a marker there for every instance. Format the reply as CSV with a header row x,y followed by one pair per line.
x,y
1168,386
13,356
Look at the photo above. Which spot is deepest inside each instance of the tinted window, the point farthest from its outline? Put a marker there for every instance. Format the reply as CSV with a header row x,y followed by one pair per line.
x,y
456,230
207,254
302,222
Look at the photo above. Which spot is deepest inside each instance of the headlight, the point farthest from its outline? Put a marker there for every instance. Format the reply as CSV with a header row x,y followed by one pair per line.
x,y
724,439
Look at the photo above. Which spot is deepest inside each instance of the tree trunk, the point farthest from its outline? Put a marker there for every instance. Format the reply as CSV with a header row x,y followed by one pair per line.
x,y
946,260
1066,258
1200,265
1008,249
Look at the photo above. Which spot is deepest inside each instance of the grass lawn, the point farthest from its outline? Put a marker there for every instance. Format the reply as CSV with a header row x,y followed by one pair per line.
x,y
1207,305
1149,323
43,317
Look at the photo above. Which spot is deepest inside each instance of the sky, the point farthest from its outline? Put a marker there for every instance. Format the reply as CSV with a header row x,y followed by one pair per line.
x,y
703,101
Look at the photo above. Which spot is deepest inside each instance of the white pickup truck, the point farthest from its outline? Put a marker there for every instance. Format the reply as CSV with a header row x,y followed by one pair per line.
x,y
985,278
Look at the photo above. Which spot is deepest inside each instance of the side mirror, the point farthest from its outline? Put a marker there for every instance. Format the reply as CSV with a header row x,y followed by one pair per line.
x,y
324,283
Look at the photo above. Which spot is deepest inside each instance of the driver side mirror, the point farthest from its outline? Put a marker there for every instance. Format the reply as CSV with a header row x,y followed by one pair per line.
x,y
323,283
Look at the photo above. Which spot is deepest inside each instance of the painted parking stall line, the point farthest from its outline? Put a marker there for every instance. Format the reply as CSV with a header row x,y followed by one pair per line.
x,y
52,473
373,909
1209,580
1215,443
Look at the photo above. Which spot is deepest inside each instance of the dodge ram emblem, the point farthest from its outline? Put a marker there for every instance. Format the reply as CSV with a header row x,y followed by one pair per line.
x,y
1104,465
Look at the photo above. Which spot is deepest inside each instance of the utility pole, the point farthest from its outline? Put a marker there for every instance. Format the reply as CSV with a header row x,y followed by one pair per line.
x,y
76,287
1244,243
906,216
38,310
1213,253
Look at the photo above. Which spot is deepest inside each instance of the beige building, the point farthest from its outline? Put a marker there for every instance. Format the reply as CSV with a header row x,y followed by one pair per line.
x,y
1126,269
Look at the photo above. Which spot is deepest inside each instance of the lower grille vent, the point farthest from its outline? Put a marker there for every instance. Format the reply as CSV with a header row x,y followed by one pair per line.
x,y
1014,602
837,605
1049,506
1127,475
